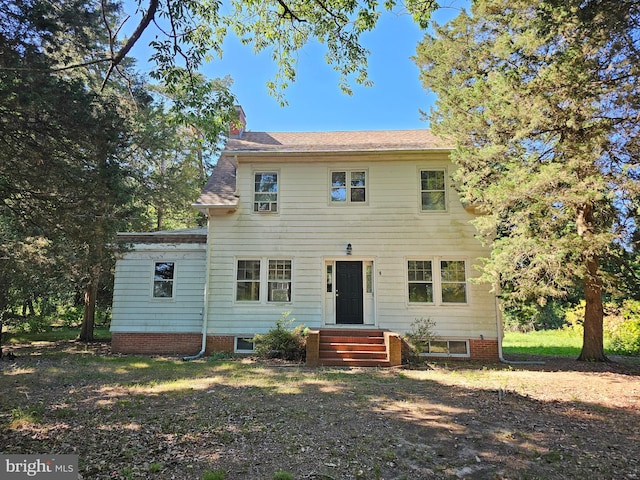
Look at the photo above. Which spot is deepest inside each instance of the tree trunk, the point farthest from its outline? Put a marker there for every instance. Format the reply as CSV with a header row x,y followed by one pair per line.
x,y
592,342
90,296
1,328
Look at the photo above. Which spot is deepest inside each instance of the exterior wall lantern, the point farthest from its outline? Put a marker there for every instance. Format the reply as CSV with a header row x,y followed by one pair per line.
x,y
349,249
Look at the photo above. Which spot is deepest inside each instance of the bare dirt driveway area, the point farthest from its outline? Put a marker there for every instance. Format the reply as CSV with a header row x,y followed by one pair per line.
x,y
131,417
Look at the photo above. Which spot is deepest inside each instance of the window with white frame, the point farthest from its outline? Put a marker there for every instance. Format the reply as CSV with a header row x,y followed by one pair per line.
x,y
433,190
248,281
244,344
437,282
260,279
265,192
453,281
163,278
420,281
447,347
348,186
279,281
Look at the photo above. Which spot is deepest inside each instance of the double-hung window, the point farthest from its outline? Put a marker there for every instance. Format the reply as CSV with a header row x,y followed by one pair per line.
x,y
263,279
433,190
265,192
248,281
420,279
348,186
163,279
279,281
442,282
453,281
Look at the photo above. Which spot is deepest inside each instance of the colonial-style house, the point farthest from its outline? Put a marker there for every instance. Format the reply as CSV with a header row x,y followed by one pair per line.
x,y
357,234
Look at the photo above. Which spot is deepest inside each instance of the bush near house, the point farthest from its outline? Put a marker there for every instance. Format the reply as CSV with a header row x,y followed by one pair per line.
x,y
284,341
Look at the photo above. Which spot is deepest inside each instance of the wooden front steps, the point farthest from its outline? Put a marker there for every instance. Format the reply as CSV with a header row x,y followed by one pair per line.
x,y
353,347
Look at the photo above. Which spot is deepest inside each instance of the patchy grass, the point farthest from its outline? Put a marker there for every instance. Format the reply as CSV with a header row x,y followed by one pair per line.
x,y
134,417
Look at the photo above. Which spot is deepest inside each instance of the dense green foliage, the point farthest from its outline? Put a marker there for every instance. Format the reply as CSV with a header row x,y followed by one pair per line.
x,y
285,341
540,99
83,159
188,33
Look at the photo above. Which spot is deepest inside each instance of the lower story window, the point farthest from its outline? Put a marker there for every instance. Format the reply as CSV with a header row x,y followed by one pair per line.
x,y
260,279
248,281
279,281
163,280
441,282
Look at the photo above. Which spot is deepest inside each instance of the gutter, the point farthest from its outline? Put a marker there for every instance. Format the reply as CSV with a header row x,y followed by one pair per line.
x,y
500,326
205,307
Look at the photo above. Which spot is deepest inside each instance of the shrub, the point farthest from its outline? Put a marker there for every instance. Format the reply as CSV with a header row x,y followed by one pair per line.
x,y
528,317
418,338
33,324
621,326
284,341
622,329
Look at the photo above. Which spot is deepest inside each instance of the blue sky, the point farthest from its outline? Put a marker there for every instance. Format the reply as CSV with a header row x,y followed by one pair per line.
x,y
315,101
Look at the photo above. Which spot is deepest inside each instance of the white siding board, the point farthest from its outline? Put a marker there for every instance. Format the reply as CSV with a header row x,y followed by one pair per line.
x,y
307,229
136,311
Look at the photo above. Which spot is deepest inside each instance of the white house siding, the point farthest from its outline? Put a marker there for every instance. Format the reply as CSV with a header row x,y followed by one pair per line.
x,y
134,308
388,230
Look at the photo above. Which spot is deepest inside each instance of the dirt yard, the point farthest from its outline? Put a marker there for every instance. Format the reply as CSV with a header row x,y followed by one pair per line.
x,y
160,418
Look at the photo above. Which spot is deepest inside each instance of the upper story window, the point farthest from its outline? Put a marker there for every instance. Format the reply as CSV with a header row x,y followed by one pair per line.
x,y
163,279
265,192
433,190
349,186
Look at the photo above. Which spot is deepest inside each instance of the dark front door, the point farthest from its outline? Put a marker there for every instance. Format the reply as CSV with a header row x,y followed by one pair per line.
x,y
349,293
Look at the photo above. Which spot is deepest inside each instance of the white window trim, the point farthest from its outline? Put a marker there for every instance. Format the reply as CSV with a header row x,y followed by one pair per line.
x,y
235,281
437,281
447,187
263,295
348,187
242,350
253,192
448,355
172,298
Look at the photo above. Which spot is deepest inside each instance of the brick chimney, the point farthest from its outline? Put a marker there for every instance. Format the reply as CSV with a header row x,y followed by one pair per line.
x,y
238,126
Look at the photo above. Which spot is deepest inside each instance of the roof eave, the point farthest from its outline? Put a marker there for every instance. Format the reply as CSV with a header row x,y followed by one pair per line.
x,y
264,153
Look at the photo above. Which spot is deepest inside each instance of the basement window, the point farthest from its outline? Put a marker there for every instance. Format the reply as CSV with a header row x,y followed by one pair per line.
x,y
447,348
244,345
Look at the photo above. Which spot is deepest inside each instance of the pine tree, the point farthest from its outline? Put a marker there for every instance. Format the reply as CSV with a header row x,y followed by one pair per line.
x,y
541,99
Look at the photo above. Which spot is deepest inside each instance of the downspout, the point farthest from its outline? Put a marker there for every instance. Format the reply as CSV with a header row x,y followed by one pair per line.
x,y
205,307
500,326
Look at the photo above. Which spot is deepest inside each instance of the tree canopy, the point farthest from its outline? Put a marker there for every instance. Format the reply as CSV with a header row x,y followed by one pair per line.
x,y
187,33
542,100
